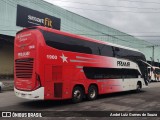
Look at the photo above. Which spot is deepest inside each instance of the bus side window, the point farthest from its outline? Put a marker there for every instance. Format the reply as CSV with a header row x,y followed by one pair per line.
x,y
107,51
116,49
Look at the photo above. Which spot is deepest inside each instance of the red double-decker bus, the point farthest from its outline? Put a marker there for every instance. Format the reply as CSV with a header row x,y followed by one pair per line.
x,y
55,65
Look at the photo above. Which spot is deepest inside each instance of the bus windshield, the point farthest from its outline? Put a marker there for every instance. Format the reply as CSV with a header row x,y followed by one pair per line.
x,y
157,71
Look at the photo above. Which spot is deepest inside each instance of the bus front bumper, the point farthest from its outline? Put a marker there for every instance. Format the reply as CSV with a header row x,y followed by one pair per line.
x,y
37,94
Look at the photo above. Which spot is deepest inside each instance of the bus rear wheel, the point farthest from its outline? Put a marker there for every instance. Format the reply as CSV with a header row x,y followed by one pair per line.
x,y
77,94
92,92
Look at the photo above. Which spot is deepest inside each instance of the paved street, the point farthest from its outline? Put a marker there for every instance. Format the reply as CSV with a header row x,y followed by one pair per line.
x,y
147,100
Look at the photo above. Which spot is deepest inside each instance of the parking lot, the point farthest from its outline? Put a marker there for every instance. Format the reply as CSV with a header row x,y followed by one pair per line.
x,y
147,100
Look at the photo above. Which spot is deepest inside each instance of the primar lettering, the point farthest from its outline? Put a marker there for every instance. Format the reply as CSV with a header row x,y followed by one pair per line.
x,y
120,63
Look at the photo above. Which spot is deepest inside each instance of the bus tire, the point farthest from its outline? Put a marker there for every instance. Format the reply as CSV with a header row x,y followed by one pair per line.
x,y
139,87
92,92
0,89
77,94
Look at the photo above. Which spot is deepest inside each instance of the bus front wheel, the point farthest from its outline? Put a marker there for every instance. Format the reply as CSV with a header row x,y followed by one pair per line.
x,y
139,86
92,92
77,94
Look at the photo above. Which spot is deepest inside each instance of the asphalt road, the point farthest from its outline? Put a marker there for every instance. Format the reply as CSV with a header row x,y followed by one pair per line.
x,y
147,100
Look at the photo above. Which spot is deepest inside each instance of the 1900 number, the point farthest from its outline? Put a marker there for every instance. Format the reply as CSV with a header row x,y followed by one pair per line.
x,y
53,57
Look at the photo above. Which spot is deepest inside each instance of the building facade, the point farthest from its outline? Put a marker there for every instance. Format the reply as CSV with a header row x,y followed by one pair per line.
x,y
70,22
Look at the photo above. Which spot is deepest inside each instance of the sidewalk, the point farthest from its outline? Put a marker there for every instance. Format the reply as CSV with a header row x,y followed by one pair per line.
x,y
9,84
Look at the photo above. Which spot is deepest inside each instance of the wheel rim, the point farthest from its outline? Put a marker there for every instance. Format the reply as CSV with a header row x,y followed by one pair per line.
x,y
138,87
92,93
77,94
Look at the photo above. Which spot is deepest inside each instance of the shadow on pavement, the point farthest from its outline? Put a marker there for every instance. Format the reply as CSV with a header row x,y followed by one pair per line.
x,y
53,104
118,94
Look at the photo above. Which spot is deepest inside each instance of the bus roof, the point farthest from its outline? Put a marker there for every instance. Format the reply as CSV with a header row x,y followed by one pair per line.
x,y
78,36
154,67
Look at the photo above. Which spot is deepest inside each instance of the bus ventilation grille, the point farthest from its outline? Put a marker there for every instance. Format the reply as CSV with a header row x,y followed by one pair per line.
x,y
24,68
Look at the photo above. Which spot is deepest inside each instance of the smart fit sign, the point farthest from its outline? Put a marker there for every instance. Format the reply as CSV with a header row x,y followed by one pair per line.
x,y
27,17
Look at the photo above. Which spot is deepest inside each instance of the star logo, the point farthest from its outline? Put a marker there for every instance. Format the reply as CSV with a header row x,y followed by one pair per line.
x,y
64,58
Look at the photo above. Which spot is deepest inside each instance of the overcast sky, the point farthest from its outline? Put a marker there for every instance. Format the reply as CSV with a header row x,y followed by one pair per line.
x,y
136,17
